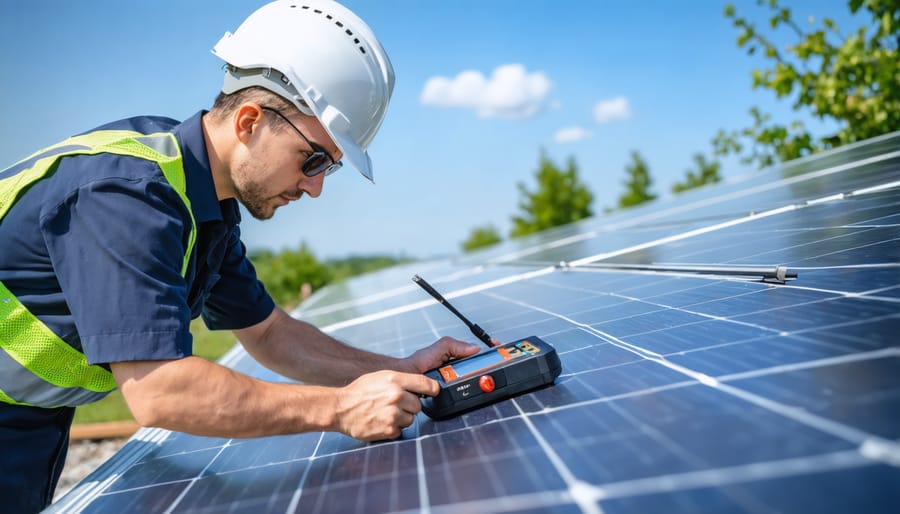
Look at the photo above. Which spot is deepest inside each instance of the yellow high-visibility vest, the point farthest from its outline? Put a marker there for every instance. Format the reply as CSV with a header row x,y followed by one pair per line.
x,y
37,367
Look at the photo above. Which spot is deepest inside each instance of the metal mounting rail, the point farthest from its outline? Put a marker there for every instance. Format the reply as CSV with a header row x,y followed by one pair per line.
x,y
779,274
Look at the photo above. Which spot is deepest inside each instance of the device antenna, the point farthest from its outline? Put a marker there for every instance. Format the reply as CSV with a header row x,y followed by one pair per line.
x,y
478,331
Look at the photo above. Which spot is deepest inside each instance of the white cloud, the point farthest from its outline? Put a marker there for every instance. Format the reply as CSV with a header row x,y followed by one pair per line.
x,y
571,135
510,92
614,109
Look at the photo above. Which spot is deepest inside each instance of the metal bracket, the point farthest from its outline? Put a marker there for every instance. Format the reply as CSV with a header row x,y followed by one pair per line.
x,y
773,274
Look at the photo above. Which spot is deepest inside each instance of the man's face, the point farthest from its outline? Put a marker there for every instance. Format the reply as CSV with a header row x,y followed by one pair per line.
x,y
269,174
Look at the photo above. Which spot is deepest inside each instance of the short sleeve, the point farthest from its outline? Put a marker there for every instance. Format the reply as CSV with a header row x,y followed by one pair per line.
x,y
117,246
239,299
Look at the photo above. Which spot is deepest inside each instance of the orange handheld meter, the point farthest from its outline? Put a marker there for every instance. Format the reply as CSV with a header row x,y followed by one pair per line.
x,y
495,374
498,373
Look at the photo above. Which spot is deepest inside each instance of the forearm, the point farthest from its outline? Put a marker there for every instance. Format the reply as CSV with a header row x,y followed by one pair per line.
x,y
301,351
199,397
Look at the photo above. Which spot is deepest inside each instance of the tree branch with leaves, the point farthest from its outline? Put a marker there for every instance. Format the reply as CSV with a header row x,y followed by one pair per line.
x,y
851,79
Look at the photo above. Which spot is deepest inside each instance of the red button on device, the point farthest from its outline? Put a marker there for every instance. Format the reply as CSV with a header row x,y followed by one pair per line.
x,y
486,383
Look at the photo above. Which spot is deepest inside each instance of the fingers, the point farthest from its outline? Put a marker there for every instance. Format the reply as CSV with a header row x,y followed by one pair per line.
x,y
443,350
418,384
410,404
381,404
454,348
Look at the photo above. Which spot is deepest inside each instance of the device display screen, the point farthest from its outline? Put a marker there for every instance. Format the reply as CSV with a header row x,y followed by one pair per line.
x,y
476,363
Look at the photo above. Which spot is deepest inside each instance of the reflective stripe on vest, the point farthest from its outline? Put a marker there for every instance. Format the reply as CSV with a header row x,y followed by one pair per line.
x,y
36,366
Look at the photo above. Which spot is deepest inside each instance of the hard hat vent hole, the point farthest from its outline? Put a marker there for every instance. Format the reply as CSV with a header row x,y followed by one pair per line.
x,y
337,23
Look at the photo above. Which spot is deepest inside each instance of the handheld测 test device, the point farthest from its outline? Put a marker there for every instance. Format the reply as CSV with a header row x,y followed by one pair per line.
x,y
502,371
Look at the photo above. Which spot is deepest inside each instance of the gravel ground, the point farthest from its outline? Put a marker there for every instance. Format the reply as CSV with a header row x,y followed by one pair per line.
x,y
84,457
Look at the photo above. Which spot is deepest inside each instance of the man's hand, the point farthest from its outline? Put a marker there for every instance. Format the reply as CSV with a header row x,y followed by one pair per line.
x,y
380,405
443,350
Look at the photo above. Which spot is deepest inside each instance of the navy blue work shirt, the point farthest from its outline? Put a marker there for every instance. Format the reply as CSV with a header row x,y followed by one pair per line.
x,y
95,252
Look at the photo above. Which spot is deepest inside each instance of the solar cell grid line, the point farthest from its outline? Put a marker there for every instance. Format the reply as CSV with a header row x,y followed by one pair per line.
x,y
660,481
139,446
763,352
421,475
760,327
723,317
404,295
295,498
750,472
886,274
849,246
454,460
663,307
681,288
659,406
457,471
798,236
579,491
665,441
422,480
888,449
191,483
655,212
424,303
679,236
647,330
861,356
888,264
779,241
753,217
868,238
728,249
871,294
843,431
849,323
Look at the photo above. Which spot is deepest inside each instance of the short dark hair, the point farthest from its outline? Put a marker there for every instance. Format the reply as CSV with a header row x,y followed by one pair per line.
x,y
225,104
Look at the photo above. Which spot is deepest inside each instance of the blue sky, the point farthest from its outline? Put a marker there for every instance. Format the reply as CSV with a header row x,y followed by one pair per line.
x,y
660,77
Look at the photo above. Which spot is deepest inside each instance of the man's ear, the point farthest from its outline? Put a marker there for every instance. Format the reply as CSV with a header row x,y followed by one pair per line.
x,y
247,120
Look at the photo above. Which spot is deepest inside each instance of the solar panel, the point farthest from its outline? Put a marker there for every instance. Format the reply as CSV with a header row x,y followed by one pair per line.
x,y
687,386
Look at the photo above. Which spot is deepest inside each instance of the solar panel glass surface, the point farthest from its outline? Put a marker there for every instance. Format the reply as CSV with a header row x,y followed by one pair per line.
x,y
680,392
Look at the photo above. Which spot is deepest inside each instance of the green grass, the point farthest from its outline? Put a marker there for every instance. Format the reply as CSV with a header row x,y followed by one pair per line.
x,y
207,344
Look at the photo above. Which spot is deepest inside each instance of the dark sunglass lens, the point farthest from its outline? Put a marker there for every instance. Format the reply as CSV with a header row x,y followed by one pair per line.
x,y
314,164
334,167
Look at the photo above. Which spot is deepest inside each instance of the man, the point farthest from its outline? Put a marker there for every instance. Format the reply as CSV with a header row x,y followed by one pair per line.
x,y
115,239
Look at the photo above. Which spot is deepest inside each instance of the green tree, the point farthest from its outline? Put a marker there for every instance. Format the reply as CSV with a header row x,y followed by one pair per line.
x,y
638,182
707,173
344,268
283,273
481,237
851,79
559,198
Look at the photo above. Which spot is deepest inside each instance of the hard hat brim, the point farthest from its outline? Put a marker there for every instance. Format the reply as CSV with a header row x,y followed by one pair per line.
x,y
248,74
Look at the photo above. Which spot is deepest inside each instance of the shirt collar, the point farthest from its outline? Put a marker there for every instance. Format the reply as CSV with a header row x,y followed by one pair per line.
x,y
201,189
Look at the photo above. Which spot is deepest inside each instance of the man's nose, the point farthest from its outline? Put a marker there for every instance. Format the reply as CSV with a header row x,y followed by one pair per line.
x,y
312,185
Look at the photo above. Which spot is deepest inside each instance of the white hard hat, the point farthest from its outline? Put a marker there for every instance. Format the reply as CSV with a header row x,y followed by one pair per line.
x,y
321,57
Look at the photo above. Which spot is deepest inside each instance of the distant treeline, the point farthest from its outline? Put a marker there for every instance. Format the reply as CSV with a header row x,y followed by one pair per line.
x,y
292,274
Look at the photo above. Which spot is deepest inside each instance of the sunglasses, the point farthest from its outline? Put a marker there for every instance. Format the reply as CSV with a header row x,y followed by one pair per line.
x,y
319,160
